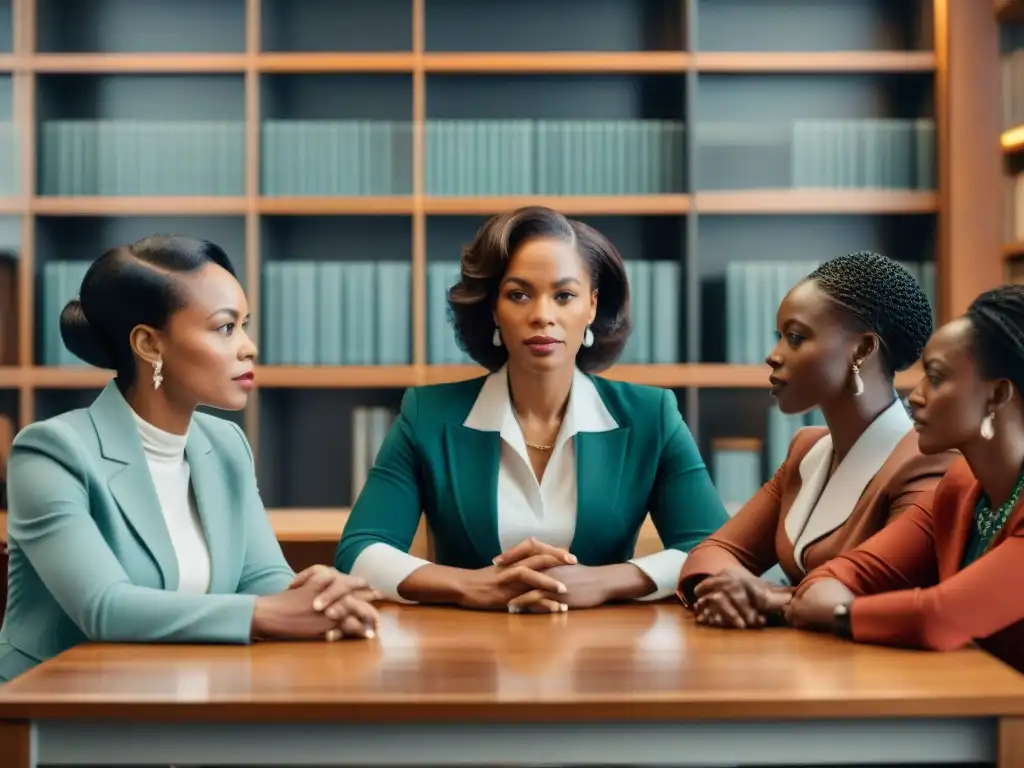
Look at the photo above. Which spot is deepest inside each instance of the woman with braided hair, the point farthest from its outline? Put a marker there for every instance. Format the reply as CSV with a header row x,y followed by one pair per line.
x,y
947,574
844,332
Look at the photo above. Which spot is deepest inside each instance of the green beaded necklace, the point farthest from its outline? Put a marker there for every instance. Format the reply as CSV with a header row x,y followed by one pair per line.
x,y
990,522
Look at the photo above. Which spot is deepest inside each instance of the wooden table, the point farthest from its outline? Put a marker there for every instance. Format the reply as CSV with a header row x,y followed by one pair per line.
x,y
638,684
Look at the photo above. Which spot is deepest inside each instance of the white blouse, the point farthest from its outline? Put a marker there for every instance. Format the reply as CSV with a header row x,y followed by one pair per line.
x,y
545,510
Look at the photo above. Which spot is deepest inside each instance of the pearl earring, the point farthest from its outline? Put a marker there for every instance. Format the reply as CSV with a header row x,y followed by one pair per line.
x,y
588,337
988,427
496,337
858,382
158,377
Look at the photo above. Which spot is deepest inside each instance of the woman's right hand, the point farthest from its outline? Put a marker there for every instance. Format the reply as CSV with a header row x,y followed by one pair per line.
x,y
293,615
735,598
515,572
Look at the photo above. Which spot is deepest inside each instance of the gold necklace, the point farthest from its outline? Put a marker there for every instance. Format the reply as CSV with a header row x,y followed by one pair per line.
x,y
535,446
515,415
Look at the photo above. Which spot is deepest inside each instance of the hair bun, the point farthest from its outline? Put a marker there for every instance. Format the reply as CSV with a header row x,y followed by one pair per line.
x,y
81,338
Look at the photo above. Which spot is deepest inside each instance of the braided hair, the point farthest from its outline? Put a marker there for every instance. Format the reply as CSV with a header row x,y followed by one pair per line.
x,y
883,298
997,318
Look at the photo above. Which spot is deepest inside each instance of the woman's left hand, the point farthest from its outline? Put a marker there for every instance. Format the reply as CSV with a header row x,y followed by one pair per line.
x,y
338,594
585,588
815,608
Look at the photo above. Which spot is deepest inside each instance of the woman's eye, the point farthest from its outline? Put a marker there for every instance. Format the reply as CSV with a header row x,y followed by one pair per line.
x,y
227,328
565,296
794,339
516,295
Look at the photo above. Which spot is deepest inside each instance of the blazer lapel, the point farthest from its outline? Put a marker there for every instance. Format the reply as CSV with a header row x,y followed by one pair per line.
x,y
600,457
129,480
473,458
211,496
844,489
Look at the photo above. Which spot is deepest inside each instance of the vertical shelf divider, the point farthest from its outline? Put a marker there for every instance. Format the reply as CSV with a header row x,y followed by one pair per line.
x,y
419,221
253,261
24,111
691,269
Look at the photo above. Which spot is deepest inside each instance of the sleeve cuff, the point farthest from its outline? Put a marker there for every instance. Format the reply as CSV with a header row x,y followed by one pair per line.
x,y
384,568
663,569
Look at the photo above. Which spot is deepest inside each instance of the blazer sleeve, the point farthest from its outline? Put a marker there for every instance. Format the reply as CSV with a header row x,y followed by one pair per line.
x,y
746,540
387,512
265,570
50,521
684,504
900,600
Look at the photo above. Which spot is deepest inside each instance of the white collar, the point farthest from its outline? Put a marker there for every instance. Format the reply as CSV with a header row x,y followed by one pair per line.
x,y
492,411
823,504
158,443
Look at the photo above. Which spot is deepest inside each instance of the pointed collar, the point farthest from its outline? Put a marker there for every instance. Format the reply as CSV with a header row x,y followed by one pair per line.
x,y
492,411
823,503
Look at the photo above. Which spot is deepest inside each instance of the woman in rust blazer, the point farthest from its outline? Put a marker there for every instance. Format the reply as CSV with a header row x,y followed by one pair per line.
x,y
844,333
948,574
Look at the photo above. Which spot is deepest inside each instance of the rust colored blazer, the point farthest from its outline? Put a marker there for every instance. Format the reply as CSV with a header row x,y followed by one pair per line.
x,y
912,591
802,518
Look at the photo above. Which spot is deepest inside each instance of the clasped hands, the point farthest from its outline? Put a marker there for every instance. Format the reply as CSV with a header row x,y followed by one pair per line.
x,y
737,599
533,577
320,603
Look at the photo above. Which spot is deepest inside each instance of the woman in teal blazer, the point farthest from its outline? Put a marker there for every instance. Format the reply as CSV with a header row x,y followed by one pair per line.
x,y
138,519
536,478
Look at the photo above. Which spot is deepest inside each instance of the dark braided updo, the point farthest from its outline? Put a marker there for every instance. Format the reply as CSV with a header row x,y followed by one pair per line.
x,y
882,298
997,317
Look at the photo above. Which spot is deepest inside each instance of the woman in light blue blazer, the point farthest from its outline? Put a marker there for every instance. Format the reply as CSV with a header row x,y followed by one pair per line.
x,y
138,519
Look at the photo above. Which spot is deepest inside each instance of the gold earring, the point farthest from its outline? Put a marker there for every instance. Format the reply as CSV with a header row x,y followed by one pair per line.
x,y
158,377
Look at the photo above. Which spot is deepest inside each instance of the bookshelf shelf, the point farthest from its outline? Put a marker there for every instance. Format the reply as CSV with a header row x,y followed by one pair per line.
x,y
813,62
612,205
341,376
141,205
558,62
67,377
1013,250
305,63
338,206
138,63
816,201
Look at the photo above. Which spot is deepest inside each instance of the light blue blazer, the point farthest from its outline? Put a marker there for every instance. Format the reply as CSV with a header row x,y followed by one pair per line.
x,y
90,555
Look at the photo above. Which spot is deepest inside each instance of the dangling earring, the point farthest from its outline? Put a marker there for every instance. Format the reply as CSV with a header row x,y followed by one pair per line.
x,y
588,337
988,427
858,382
496,338
158,377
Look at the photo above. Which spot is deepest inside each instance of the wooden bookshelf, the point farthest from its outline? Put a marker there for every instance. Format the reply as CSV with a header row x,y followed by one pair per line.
x,y
409,63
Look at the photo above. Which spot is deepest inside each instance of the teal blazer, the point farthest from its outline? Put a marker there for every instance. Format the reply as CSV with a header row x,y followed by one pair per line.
x,y
431,462
90,556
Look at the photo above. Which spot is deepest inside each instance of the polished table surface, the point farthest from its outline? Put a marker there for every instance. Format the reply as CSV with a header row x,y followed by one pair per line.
x,y
647,663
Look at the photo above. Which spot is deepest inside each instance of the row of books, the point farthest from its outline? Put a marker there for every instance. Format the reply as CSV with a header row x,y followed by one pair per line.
x,y
655,306
754,290
473,157
370,425
62,281
1012,84
142,157
337,313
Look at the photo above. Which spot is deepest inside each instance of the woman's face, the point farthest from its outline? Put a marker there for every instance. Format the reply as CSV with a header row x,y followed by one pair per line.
x,y
545,303
208,357
813,359
951,399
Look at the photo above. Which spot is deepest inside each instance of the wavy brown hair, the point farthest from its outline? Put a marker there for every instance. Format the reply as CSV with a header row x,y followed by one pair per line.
x,y
485,261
